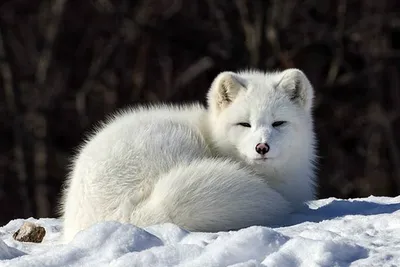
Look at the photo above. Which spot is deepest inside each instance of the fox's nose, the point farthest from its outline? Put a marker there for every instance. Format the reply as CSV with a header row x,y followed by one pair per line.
x,y
262,148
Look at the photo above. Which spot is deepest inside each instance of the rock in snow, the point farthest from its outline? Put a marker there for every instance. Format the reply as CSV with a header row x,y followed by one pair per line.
x,y
30,232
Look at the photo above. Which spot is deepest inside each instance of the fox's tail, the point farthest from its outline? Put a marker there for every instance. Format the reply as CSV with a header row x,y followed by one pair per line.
x,y
213,195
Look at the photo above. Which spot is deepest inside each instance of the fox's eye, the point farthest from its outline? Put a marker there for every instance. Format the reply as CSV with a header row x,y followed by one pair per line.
x,y
244,124
278,123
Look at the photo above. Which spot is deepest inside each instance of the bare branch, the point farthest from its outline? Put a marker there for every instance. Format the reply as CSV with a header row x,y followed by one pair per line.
x,y
94,69
49,37
337,61
19,152
192,72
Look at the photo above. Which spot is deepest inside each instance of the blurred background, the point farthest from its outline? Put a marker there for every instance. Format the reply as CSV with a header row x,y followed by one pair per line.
x,y
66,64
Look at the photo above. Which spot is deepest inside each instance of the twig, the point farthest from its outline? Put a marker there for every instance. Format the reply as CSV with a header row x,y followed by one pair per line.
x,y
337,61
193,71
251,32
379,117
271,32
49,37
221,20
94,70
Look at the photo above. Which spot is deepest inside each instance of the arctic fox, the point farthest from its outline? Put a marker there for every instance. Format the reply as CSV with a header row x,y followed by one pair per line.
x,y
245,159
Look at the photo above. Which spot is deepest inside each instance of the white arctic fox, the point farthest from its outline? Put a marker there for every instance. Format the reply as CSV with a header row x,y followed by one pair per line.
x,y
247,159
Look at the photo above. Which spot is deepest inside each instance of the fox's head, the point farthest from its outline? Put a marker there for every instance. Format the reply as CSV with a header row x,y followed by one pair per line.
x,y
263,118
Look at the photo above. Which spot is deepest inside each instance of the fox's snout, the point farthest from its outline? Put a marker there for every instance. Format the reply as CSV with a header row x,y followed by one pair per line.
x,y
262,148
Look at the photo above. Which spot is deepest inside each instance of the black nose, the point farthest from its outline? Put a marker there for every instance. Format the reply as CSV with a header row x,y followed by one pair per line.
x,y
262,148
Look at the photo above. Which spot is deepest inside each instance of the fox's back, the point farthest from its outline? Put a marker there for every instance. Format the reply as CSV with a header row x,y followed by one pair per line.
x,y
143,143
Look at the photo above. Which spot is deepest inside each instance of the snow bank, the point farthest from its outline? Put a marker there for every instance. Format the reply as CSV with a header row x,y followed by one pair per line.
x,y
329,232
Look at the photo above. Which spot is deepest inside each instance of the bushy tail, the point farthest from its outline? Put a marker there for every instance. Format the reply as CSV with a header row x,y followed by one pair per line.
x,y
213,195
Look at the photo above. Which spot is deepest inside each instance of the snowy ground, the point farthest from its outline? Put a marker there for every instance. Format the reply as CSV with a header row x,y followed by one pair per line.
x,y
330,232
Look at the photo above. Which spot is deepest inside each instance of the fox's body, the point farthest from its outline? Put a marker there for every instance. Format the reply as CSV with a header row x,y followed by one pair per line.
x,y
218,168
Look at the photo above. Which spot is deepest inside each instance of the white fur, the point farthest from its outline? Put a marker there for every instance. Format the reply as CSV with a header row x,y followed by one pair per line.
x,y
193,166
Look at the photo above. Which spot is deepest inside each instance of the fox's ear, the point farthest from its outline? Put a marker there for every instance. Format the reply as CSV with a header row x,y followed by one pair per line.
x,y
224,90
297,85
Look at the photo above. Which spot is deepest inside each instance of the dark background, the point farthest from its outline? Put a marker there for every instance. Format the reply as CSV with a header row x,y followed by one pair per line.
x,y
65,64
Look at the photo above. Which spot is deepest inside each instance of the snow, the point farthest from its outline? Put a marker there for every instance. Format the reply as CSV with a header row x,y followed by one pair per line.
x,y
328,232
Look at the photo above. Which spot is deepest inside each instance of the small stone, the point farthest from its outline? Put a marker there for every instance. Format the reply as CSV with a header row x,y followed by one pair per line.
x,y
30,232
